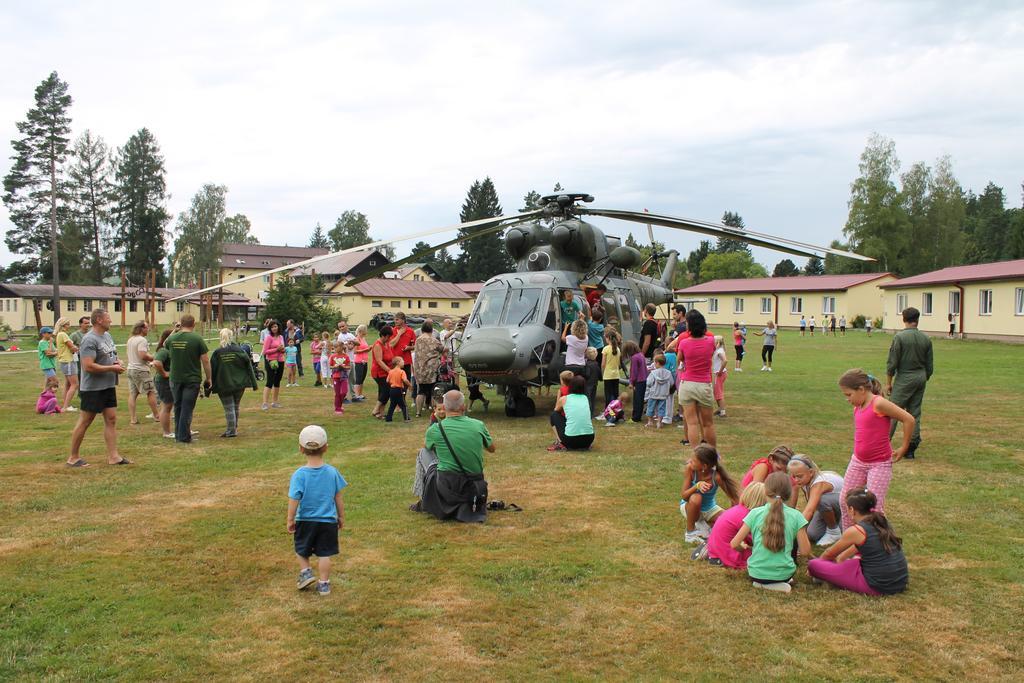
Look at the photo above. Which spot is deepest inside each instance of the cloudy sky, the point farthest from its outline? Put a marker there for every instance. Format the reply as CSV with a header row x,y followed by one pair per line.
x,y
395,108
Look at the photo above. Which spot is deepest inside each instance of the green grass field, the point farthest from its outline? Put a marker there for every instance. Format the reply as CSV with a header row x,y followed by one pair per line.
x,y
180,567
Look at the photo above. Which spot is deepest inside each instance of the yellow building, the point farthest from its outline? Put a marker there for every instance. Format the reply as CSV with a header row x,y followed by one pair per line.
x,y
984,301
784,300
436,300
17,303
242,260
418,272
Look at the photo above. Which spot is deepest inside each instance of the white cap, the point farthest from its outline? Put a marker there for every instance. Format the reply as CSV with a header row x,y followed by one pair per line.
x,y
313,437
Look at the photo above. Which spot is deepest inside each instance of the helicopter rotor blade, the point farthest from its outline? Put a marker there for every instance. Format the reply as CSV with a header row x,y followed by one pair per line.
x,y
719,230
496,223
418,256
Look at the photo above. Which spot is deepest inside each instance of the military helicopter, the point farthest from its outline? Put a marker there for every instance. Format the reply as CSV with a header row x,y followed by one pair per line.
x,y
512,337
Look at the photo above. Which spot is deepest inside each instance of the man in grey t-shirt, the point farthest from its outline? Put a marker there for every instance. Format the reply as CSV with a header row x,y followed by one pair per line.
x,y
100,368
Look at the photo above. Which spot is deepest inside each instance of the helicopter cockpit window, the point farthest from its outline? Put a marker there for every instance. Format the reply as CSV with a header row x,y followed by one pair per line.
x,y
488,308
551,318
522,307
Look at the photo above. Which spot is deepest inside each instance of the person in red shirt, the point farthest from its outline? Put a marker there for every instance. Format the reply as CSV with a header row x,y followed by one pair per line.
x,y
594,295
402,341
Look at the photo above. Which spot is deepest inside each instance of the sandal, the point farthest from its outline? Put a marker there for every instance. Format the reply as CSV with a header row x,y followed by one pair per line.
x,y
123,461
78,463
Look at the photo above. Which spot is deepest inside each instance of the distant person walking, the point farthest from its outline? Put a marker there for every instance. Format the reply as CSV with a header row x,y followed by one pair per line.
x,y
909,367
189,360
100,368
67,359
739,342
771,337
842,325
232,373
273,360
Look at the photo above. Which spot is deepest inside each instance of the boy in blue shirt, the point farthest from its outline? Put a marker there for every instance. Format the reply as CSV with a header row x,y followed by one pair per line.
x,y
315,510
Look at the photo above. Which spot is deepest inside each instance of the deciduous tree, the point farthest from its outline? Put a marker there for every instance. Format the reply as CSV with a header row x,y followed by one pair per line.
x,y
202,231
785,268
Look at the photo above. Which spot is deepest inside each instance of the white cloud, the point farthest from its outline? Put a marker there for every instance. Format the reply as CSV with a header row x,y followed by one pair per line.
x,y
395,109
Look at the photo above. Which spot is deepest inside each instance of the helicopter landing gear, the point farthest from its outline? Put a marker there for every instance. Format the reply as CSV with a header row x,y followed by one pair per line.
x,y
518,403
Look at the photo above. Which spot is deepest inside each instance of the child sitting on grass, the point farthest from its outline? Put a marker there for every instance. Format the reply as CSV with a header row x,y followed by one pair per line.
x,y
615,411
717,550
868,558
775,528
315,510
704,474
564,377
47,403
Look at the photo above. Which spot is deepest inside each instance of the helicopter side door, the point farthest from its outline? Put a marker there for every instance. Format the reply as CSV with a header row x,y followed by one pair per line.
x,y
628,313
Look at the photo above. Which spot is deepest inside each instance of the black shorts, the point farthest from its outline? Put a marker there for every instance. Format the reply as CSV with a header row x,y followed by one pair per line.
x,y
163,390
316,538
98,401
423,389
739,351
360,373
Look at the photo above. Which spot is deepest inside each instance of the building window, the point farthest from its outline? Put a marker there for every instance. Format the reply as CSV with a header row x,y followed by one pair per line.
x,y
828,305
263,263
954,303
737,305
766,305
1018,301
161,306
71,305
147,305
266,279
117,305
901,303
372,262
410,303
396,304
455,304
796,304
985,308
133,306
86,305
713,304
16,302
376,303
926,303
240,276
433,304
179,306
419,303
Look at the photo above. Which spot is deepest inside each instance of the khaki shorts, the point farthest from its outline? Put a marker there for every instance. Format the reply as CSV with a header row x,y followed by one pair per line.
x,y
708,515
696,392
140,382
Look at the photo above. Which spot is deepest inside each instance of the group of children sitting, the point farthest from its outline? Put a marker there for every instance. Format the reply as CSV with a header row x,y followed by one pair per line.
x,y
765,533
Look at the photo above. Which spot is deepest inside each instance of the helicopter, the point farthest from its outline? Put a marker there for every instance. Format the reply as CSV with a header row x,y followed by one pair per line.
x,y
512,338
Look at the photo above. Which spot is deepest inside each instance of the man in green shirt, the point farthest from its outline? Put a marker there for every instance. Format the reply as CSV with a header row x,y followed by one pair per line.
x,y
189,359
909,368
452,486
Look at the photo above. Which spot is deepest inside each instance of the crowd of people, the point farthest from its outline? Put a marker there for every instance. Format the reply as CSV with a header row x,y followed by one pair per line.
x,y
672,373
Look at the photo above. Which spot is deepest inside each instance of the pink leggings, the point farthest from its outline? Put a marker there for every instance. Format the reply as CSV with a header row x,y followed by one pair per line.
x,y
874,475
846,575
340,391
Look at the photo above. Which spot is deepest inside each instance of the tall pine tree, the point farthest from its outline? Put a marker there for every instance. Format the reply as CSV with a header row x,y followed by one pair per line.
x,y
34,189
785,268
318,240
140,216
728,246
484,256
814,266
92,193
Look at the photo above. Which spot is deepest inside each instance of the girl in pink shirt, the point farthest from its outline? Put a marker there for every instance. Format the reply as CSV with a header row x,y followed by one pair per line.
x,y
718,550
695,393
871,463
777,461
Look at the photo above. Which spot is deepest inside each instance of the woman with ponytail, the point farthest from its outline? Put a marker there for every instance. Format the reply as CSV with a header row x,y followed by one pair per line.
x,y
775,528
873,456
868,558
704,475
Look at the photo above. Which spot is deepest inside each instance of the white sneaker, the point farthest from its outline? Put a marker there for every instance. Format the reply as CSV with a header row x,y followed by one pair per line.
x,y
266,407
702,528
739,369
781,587
764,368
169,435
71,409
150,417
609,424
769,369
830,537
693,537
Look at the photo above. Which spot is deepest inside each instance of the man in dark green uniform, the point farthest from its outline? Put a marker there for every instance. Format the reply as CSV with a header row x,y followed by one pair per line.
x,y
910,363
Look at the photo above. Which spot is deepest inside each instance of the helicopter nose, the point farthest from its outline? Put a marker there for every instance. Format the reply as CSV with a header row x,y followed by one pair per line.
x,y
487,350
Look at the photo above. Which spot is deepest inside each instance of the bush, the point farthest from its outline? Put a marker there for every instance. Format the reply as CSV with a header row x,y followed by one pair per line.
x,y
878,323
859,322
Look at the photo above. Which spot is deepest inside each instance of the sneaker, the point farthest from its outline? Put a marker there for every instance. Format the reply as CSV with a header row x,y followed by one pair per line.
x,y
739,369
609,424
151,416
781,587
306,579
769,369
72,409
830,537
557,446
693,537
169,435
339,412
266,407
700,552
324,587
702,528
275,405
195,432
764,368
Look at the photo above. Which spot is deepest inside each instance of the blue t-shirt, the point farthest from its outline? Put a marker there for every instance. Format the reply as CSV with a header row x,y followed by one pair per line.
x,y
671,361
595,334
290,352
315,489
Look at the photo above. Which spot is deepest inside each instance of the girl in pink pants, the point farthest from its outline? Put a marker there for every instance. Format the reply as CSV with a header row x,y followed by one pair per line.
x,y
868,558
872,460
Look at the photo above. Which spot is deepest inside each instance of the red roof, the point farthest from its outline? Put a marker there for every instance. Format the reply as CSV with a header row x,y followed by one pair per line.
x,y
415,289
797,283
1001,270
471,288
108,292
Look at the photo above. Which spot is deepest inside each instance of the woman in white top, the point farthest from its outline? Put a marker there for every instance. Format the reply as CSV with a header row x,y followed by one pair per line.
x,y
575,339
821,490
771,336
